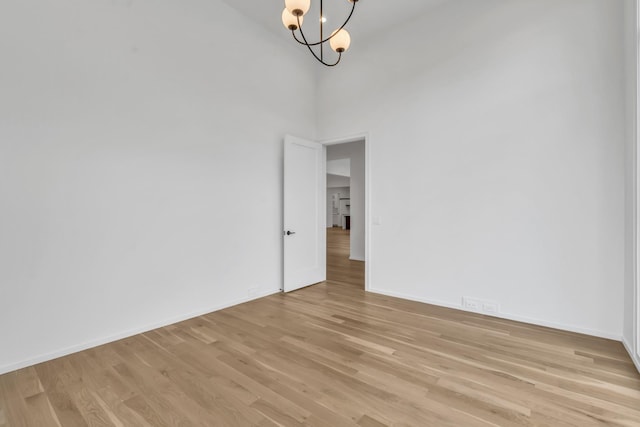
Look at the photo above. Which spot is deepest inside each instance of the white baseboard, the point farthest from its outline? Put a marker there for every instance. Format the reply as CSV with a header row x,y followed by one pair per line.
x,y
105,340
126,334
632,354
517,318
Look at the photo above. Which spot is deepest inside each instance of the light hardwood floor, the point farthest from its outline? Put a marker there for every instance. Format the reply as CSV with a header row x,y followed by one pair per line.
x,y
339,267
332,355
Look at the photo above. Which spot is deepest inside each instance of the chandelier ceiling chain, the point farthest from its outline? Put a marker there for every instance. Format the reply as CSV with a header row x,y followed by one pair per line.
x,y
339,40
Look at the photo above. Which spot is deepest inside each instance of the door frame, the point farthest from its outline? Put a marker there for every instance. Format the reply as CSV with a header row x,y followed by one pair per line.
x,y
636,194
634,349
368,242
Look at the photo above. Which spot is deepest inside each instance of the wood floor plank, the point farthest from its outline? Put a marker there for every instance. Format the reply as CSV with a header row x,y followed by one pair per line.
x,y
57,380
15,410
92,412
41,412
116,410
332,355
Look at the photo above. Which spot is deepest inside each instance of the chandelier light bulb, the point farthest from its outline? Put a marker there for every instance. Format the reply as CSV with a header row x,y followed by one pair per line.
x,y
290,22
340,40
298,7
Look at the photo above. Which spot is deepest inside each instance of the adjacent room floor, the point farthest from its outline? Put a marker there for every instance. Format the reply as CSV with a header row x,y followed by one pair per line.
x,y
333,355
339,267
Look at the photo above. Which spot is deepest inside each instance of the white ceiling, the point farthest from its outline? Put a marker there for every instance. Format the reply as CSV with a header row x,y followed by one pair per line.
x,y
370,16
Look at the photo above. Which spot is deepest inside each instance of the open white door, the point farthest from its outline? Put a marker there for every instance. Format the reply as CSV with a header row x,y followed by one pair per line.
x,y
305,237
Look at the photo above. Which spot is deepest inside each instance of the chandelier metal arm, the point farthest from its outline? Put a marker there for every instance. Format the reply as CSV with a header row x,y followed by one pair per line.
x,y
328,38
314,54
293,33
292,20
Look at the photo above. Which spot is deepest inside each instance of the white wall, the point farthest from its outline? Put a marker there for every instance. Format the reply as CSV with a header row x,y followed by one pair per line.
x,y
631,50
355,152
499,127
335,181
132,134
341,167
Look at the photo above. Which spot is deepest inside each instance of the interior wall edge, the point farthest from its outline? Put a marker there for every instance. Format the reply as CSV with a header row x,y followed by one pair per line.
x,y
634,358
126,334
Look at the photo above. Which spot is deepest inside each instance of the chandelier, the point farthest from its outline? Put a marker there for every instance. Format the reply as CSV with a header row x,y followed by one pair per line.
x,y
339,40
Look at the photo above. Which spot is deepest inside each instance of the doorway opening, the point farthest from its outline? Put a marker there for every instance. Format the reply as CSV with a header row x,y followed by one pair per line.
x,y
346,212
